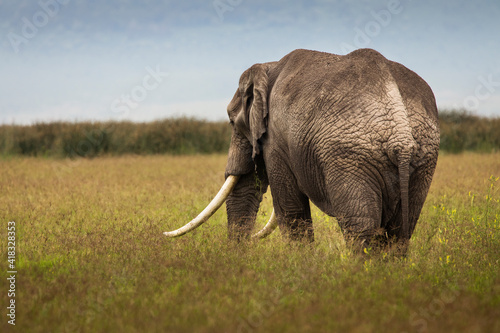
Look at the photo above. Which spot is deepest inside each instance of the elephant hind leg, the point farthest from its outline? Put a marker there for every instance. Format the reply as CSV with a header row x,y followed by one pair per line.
x,y
292,208
358,209
420,182
361,232
297,224
374,240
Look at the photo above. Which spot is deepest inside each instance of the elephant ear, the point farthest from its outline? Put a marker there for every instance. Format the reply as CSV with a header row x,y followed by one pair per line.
x,y
254,89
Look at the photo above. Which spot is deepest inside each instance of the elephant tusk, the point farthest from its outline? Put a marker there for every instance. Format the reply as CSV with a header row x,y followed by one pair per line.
x,y
212,207
268,228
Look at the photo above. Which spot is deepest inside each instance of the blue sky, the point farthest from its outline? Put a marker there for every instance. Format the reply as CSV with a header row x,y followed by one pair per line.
x,y
129,60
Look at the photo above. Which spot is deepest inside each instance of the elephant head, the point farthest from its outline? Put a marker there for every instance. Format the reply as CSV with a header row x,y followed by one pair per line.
x,y
248,113
246,178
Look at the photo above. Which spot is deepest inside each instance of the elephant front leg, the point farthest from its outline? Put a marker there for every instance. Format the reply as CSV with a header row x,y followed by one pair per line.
x,y
242,205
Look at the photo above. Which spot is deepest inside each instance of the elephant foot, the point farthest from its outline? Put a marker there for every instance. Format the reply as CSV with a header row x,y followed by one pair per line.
x,y
376,244
298,230
238,233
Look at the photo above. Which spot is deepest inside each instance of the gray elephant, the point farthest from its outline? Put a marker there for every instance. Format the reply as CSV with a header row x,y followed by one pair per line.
x,y
357,135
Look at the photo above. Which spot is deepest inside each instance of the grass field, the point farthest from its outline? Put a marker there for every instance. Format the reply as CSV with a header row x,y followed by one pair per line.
x,y
91,256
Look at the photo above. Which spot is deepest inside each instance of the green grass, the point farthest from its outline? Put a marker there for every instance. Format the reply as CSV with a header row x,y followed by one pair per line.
x,y
92,257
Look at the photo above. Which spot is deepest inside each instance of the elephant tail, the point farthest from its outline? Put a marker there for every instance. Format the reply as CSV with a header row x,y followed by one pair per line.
x,y
404,182
401,147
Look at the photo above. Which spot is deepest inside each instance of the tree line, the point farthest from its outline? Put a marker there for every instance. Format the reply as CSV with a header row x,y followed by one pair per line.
x,y
460,131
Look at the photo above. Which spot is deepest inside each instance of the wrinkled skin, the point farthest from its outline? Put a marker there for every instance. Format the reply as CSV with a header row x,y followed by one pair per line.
x,y
341,131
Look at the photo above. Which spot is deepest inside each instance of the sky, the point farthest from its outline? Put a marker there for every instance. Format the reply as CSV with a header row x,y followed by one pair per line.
x,y
72,60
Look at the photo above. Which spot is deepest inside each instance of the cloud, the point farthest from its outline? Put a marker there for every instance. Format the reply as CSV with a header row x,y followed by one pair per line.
x,y
90,53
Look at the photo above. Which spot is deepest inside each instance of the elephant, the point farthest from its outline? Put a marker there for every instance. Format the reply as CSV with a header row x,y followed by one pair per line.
x,y
356,134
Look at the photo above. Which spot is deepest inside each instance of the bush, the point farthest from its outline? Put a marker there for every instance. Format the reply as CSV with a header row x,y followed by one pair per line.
x,y
90,139
460,131
463,131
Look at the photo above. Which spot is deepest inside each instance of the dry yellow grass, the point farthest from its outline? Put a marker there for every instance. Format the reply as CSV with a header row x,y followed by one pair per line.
x,y
92,257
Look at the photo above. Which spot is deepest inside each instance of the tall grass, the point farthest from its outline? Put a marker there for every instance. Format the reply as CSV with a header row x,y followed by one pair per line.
x,y
92,257
460,131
